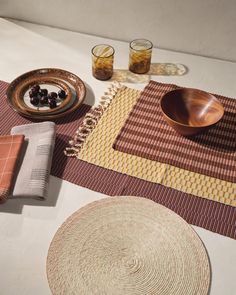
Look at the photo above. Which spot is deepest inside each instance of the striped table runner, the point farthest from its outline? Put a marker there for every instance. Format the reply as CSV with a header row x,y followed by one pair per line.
x,y
214,216
146,134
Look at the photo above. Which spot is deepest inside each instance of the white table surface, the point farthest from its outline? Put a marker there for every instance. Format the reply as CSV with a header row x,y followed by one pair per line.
x,y
28,226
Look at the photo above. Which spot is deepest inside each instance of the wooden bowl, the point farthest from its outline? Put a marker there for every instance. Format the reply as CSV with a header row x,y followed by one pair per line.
x,y
191,111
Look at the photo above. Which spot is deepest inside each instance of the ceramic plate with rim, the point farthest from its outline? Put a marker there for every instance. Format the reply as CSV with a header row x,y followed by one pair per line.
x,y
52,79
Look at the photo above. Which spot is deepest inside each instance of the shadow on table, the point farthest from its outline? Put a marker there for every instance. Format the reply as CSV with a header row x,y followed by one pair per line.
x,y
168,69
156,69
15,205
126,76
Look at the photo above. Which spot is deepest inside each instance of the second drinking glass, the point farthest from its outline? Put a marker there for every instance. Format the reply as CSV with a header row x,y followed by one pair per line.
x,y
140,56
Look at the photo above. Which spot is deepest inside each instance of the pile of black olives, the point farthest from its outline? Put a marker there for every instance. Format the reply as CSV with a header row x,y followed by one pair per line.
x,y
41,97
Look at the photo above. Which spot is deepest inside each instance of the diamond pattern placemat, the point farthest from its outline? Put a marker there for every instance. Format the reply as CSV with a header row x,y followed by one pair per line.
x,y
98,150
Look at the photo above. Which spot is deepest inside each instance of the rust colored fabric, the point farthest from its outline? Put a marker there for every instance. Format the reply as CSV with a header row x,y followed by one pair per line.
x,y
10,147
146,134
208,214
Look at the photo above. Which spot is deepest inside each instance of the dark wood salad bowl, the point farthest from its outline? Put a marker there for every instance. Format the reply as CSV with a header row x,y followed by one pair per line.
x,y
190,111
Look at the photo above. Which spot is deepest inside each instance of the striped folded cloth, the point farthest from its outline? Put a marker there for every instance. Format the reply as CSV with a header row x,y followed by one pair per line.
x,y
10,148
35,165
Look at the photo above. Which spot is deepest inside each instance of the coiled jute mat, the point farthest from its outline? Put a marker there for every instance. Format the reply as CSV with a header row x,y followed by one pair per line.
x,y
127,245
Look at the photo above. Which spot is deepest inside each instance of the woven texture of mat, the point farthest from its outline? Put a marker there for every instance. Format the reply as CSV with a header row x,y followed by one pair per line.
x,y
208,214
146,134
98,150
127,245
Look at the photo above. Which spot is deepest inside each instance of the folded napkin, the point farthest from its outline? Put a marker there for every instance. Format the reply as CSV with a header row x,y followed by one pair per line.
x,y
10,148
34,169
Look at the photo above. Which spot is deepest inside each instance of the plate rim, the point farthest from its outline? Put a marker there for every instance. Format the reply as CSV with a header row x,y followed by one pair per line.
x,y
51,116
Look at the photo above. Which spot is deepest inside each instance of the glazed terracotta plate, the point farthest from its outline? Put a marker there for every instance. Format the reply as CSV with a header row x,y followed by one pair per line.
x,y
53,80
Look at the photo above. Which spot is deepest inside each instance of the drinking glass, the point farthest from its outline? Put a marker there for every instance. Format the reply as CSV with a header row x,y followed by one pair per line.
x,y
140,54
102,61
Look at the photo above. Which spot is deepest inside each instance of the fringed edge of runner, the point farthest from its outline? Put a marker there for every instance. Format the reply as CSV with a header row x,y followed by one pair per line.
x,y
90,120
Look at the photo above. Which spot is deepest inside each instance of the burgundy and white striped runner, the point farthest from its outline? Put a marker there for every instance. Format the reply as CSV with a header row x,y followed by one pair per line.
x,y
208,214
146,134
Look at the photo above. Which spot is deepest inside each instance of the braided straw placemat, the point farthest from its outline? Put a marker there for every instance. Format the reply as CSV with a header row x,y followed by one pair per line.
x,y
127,245
93,144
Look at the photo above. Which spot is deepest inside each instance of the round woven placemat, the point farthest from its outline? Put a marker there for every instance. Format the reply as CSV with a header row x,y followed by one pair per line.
x,y
127,245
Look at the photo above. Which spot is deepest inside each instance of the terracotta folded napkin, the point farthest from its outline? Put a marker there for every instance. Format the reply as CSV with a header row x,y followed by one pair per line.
x,y
34,169
10,148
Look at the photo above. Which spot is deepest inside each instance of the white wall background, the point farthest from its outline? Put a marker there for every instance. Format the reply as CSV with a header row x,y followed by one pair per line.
x,y
203,27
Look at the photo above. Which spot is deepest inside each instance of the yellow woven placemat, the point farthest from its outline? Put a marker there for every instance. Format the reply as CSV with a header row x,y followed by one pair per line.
x,y
97,149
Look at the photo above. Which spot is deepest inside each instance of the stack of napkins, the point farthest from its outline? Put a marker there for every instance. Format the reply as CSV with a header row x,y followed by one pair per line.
x,y
32,161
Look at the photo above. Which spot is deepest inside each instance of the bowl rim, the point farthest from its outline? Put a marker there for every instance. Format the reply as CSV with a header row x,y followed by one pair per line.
x,y
198,90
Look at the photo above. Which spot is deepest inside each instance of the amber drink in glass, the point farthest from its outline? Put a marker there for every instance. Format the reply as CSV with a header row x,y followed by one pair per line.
x,y
140,56
102,61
